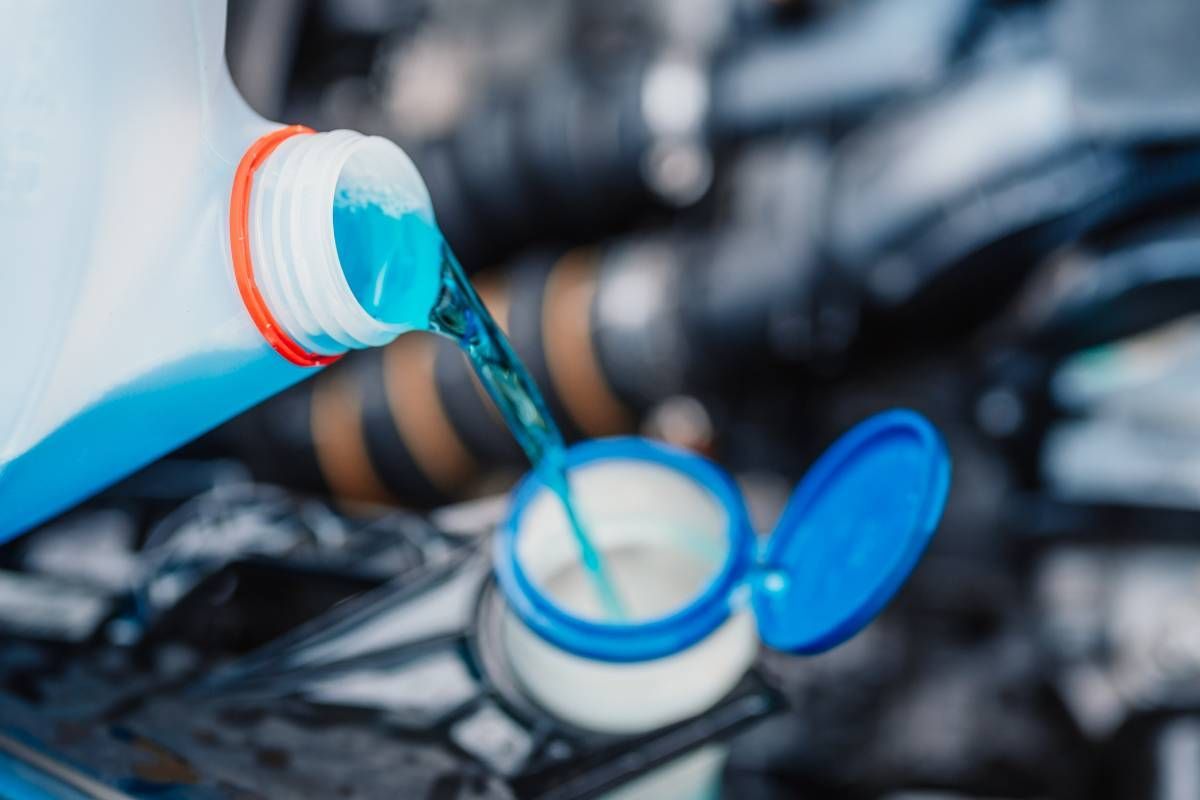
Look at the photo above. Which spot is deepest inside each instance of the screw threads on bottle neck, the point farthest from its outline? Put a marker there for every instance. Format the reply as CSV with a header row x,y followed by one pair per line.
x,y
293,247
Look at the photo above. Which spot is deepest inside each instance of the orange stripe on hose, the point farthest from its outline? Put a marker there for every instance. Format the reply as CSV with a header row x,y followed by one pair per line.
x,y
418,414
493,291
338,438
570,352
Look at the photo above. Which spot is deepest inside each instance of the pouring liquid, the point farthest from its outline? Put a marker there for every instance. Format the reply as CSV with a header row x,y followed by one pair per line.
x,y
401,270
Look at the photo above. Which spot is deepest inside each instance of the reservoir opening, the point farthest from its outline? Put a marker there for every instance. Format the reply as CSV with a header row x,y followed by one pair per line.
x,y
663,537
672,530
676,541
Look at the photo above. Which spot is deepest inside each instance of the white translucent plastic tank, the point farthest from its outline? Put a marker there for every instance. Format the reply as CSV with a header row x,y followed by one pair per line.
x,y
124,331
664,539
701,591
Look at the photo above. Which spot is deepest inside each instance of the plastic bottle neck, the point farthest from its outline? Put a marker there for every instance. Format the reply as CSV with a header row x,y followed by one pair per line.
x,y
291,236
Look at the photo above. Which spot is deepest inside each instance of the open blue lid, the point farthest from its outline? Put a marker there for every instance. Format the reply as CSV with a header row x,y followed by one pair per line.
x,y
851,533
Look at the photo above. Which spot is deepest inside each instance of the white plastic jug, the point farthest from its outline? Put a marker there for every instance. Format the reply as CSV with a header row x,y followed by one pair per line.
x,y
126,329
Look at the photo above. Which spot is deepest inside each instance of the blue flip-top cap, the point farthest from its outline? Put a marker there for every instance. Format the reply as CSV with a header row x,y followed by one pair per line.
x,y
852,532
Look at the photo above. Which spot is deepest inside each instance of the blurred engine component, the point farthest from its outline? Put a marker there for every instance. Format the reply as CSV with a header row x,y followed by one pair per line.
x,y
1131,68
1100,360
941,211
589,141
407,674
838,69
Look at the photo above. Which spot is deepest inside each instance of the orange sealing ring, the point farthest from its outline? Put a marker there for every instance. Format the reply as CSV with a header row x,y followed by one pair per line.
x,y
239,244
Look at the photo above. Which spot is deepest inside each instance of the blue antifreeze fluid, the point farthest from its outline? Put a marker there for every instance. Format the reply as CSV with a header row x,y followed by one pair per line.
x,y
385,256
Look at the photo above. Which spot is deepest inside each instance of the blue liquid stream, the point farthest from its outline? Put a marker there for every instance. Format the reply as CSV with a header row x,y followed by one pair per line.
x,y
401,271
